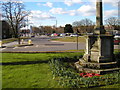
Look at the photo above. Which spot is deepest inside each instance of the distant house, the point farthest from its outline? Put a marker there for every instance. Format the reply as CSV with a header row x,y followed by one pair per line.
x,y
5,30
24,31
112,29
83,29
59,29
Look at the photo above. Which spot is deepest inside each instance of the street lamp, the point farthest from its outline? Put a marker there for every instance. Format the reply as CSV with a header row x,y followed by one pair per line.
x,y
77,38
55,24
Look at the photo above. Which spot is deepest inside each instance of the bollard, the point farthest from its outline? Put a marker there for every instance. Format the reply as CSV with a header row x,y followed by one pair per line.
x,y
29,41
22,41
0,43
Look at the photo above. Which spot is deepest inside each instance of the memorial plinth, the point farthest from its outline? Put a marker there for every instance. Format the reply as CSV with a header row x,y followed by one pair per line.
x,y
98,57
99,48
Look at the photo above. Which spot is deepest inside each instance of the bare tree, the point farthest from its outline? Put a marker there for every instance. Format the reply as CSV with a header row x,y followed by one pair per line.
x,y
76,23
85,24
111,21
14,12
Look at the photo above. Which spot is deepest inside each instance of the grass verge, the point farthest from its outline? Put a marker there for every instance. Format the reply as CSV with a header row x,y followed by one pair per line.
x,y
29,75
9,40
70,39
12,39
24,70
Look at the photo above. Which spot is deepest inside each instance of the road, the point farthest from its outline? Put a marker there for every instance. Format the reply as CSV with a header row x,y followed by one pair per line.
x,y
44,43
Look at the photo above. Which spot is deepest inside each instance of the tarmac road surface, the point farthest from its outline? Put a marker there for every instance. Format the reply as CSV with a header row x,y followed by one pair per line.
x,y
44,43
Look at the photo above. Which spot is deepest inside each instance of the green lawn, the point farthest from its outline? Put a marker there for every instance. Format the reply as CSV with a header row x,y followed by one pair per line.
x,y
9,40
12,39
19,57
22,74
28,75
70,39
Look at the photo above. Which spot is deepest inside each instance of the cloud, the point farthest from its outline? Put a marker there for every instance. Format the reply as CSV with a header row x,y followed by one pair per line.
x,y
16,1
71,2
72,12
43,0
57,11
39,4
68,3
87,10
109,2
39,15
84,10
48,4
63,11
110,13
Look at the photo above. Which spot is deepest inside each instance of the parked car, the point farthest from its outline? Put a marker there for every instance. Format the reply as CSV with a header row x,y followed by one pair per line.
x,y
33,36
117,41
62,34
73,35
117,36
48,34
89,33
54,34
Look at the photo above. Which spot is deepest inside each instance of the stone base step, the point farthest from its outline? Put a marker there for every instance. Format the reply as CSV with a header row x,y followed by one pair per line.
x,y
105,60
98,65
98,71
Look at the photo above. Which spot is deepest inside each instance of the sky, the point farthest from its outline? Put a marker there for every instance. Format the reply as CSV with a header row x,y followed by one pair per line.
x,y
47,12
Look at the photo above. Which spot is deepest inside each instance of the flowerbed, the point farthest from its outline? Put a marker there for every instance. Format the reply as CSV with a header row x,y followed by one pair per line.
x,y
89,74
70,79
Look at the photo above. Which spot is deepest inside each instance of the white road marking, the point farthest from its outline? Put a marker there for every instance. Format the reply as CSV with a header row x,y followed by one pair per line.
x,y
36,46
15,47
26,47
2,49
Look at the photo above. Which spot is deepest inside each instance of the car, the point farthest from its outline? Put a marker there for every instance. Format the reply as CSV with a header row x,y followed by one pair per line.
x,y
48,34
32,36
116,41
117,36
89,33
73,35
54,34
62,35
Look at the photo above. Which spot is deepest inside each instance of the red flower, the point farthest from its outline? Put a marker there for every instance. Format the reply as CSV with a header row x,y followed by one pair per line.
x,y
89,74
85,76
82,74
97,75
93,74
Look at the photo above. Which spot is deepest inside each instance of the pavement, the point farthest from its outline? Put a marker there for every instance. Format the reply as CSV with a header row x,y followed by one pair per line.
x,y
43,44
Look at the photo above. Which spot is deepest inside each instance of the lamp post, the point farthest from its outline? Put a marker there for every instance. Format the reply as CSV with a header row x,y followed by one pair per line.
x,y
55,24
77,38
18,33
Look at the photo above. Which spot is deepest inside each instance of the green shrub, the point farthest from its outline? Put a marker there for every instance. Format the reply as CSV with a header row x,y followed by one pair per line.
x,y
70,79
